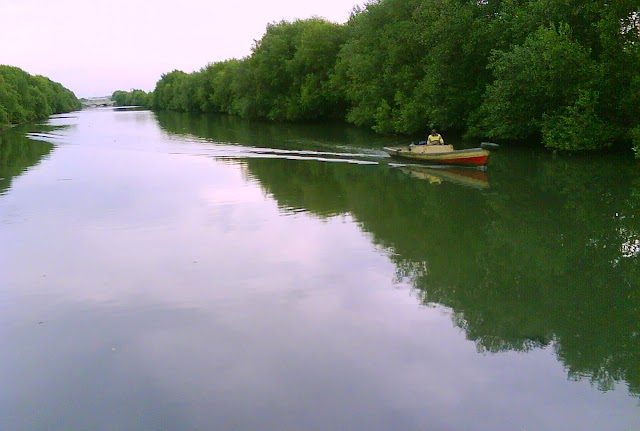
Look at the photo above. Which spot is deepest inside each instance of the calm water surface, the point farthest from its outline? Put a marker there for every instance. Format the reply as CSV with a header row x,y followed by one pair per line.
x,y
176,272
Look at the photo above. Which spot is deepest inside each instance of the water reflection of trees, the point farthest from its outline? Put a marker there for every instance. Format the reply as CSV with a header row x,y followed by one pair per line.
x,y
19,153
235,130
533,263
537,260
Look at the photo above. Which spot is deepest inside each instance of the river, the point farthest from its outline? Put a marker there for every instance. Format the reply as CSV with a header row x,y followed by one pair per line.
x,y
165,271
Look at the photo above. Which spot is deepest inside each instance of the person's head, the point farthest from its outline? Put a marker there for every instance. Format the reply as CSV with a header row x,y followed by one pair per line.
x,y
434,131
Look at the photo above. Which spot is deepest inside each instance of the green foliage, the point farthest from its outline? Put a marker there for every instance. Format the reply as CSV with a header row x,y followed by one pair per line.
x,y
218,86
577,127
24,97
536,79
131,98
168,92
380,64
597,41
287,75
4,116
635,140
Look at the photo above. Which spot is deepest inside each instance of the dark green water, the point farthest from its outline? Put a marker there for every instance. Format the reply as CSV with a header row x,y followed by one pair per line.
x,y
176,272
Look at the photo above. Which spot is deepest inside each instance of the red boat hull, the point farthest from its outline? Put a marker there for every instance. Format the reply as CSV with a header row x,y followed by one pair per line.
x,y
466,161
441,155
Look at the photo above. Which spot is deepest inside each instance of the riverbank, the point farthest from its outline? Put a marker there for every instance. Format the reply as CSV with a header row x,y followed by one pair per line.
x,y
28,97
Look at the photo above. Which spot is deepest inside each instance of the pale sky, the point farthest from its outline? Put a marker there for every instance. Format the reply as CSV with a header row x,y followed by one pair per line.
x,y
96,47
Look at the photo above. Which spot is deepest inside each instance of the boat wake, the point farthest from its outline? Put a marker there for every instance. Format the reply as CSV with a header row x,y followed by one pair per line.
x,y
235,152
52,138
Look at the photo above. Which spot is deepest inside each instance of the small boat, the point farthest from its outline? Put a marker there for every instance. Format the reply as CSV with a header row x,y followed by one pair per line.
x,y
441,154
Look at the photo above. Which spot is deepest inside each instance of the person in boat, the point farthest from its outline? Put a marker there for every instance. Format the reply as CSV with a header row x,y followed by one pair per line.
x,y
434,138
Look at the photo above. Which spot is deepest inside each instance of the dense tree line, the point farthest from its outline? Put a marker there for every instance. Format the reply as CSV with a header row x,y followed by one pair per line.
x,y
131,98
565,73
24,97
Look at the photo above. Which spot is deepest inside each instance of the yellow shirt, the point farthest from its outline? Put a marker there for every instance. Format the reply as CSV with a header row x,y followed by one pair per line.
x,y
435,139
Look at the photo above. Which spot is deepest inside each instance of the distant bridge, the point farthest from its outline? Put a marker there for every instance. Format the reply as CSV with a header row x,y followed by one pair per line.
x,y
94,102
